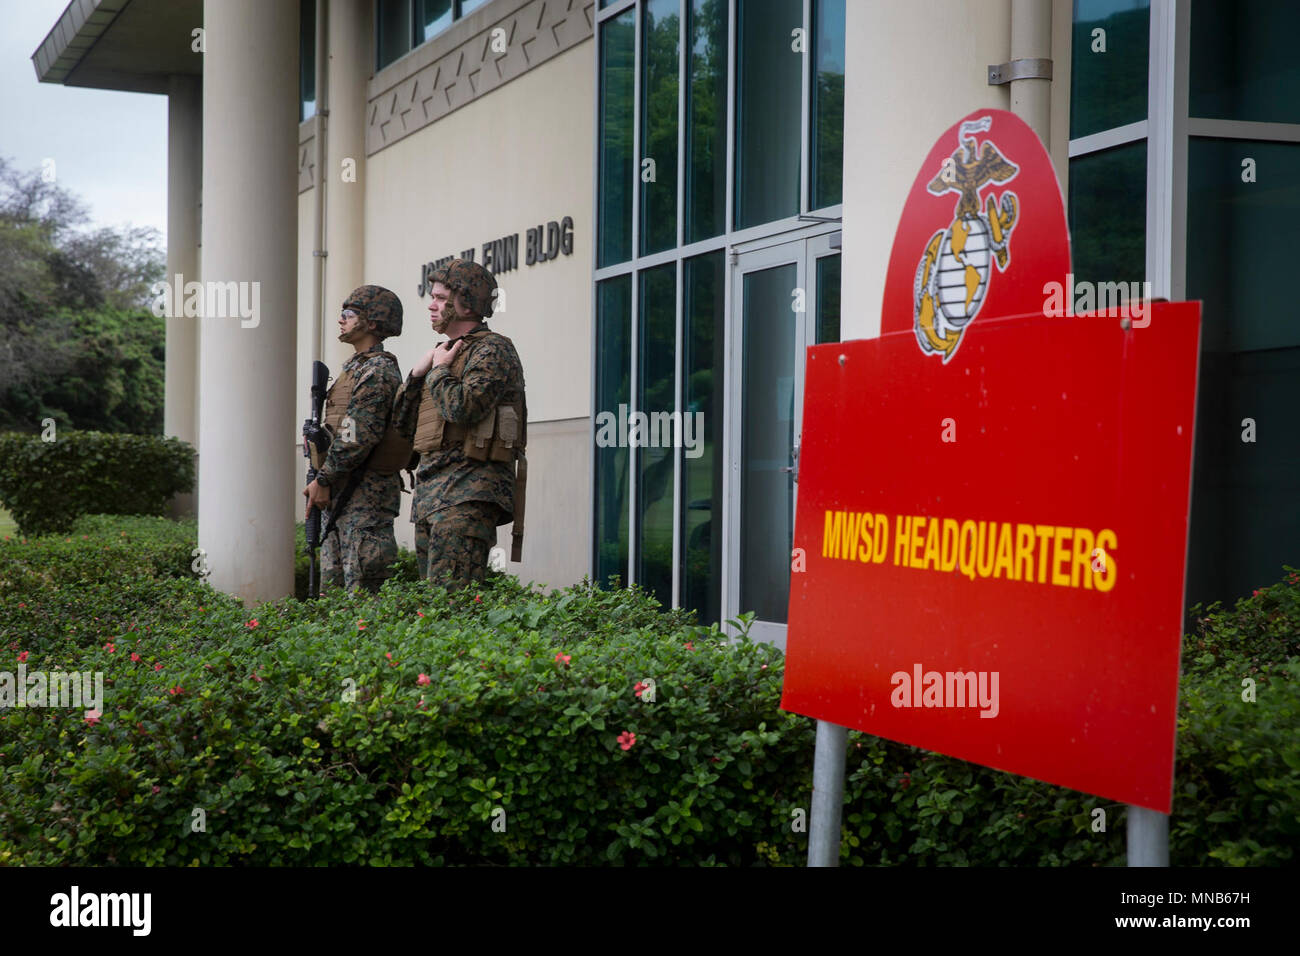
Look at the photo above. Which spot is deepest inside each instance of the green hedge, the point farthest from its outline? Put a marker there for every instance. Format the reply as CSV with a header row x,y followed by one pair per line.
x,y
46,486
262,734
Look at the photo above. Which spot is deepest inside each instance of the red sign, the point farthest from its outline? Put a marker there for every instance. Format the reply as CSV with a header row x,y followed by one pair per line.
x,y
993,494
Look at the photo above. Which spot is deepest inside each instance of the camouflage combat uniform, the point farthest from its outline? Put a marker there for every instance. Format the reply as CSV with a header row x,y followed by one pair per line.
x,y
360,550
458,501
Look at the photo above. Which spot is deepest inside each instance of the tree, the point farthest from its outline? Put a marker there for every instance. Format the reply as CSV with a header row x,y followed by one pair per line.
x,y
78,342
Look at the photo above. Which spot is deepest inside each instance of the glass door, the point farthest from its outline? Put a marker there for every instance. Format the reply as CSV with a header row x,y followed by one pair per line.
x,y
784,298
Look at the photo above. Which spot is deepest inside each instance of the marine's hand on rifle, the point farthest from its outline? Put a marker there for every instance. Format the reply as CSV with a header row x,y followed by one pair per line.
x,y
317,496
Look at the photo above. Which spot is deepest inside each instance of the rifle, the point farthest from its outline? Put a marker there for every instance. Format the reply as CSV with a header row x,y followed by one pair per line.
x,y
315,438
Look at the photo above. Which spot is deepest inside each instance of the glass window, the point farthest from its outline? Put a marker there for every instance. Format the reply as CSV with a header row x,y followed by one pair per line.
x,y
469,6
613,392
703,367
1243,61
660,38
1108,65
706,120
656,438
432,17
827,148
1108,214
828,299
392,31
617,56
306,60
769,80
1239,250
1244,522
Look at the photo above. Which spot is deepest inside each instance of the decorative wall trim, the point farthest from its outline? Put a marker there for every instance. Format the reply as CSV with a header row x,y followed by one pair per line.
x,y
306,155
456,68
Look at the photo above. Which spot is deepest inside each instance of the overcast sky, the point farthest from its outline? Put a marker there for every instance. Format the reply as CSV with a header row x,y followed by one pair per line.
x,y
109,148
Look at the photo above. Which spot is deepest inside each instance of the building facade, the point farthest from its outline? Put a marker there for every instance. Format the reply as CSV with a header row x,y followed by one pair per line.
x,y
677,197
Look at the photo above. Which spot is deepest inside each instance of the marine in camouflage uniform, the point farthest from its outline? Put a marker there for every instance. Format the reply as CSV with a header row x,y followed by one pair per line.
x,y
459,501
361,549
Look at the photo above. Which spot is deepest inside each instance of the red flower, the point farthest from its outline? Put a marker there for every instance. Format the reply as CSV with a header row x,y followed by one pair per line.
x,y
361,625
478,599
626,739
157,667
22,605
540,688
388,654
1254,594
419,614
23,656
134,657
110,648
639,687
421,703
255,676
92,717
250,624
176,690
422,679
157,789
563,659
689,645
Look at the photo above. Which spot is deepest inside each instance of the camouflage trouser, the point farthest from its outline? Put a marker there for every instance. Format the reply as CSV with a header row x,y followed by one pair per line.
x,y
458,538
360,550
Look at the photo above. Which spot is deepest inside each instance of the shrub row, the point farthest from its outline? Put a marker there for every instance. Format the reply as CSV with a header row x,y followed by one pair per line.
x,y
46,486
504,727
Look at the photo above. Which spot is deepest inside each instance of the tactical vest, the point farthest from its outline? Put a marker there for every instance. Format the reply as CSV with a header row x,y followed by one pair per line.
x,y
392,452
501,435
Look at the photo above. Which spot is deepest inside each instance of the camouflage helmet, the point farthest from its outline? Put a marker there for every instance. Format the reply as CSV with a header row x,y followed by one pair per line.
x,y
471,280
380,306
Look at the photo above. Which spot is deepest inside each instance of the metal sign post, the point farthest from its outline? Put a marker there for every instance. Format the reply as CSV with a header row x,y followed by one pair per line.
x,y
1148,837
828,795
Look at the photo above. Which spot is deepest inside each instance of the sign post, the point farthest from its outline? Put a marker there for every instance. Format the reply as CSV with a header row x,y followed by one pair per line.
x,y
994,501
828,795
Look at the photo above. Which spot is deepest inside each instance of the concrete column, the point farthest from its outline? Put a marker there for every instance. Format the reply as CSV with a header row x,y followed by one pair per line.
x,y
1031,37
250,188
350,57
184,181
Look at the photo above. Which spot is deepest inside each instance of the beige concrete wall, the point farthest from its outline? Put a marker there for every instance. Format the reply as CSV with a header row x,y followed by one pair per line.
x,y
914,69
517,157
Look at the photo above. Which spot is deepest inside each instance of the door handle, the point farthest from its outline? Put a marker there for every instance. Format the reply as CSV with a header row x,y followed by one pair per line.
x,y
793,468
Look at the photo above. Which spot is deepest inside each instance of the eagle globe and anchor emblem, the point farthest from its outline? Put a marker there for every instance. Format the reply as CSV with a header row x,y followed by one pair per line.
x,y
953,274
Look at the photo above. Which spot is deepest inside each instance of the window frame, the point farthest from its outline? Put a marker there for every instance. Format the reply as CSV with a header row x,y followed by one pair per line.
x,y
727,240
